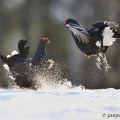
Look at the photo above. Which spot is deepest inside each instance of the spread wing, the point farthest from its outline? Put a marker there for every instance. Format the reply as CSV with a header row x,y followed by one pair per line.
x,y
79,32
103,24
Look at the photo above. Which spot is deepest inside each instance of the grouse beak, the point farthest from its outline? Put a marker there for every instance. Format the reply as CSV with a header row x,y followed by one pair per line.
x,y
48,41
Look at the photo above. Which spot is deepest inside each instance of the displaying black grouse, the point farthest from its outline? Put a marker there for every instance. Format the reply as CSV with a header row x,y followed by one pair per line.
x,y
94,40
19,66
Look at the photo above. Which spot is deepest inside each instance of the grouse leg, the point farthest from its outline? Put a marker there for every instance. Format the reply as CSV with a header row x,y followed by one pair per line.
x,y
105,63
98,61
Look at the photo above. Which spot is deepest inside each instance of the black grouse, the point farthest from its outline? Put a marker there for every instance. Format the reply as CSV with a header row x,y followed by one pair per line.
x,y
19,66
94,40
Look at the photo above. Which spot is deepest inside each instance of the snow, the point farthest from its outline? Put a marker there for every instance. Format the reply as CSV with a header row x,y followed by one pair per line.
x,y
60,104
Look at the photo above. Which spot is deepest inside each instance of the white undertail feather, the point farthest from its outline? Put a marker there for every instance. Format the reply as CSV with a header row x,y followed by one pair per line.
x,y
8,56
13,53
108,36
98,43
6,67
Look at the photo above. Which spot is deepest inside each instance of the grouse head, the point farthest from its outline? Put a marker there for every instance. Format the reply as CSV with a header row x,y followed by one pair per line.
x,y
45,40
70,22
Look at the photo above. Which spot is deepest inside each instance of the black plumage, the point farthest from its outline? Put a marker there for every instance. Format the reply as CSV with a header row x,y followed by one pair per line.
x,y
20,66
94,40
17,58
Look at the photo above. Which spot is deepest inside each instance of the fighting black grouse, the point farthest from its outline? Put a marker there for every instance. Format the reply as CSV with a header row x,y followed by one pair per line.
x,y
94,40
19,65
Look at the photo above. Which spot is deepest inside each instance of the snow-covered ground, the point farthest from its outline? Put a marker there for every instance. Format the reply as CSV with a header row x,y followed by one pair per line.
x,y
60,104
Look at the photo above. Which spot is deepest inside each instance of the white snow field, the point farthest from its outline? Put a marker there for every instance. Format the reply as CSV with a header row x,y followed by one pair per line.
x,y
62,103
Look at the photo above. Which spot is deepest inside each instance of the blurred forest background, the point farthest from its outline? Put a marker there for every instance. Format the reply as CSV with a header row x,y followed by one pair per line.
x,y
33,19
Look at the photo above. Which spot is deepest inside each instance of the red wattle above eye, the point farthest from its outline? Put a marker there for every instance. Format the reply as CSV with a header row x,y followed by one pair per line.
x,y
64,22
44,39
